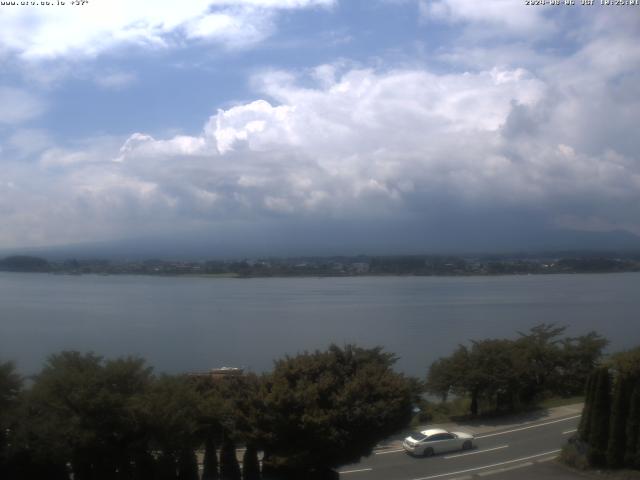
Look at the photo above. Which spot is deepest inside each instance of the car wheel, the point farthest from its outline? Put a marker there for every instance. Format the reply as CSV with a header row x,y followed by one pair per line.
x,y
467,445
428,452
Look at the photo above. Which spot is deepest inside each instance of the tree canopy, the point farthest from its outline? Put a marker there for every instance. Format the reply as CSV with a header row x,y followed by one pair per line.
x,y
326,409
503,374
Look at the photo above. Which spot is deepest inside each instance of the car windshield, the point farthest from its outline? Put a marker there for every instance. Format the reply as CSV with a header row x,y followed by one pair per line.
x,y
418,436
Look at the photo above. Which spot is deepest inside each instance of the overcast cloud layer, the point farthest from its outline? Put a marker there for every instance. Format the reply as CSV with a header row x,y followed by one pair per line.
x,y
503,112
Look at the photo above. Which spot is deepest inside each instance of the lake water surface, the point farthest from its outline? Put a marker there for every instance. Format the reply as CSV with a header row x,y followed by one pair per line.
x,y
181,324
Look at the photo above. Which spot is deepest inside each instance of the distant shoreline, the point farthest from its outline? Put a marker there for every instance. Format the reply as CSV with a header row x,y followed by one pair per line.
x,y
370,275
337,267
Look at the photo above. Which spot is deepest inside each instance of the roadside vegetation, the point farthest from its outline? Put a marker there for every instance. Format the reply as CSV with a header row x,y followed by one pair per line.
x,y
609,431
498,376
87,418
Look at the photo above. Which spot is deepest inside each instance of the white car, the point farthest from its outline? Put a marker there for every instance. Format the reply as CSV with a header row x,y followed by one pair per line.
x,y
436,440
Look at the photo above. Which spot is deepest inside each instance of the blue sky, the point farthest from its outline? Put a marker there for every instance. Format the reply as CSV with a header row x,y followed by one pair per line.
x,y
237,119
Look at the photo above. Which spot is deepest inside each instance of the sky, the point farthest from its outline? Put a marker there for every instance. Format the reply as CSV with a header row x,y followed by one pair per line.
x,y
311,126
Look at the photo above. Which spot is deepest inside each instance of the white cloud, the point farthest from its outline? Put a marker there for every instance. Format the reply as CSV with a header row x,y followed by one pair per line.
x,y
18,105
24,142
37,33
509,16
116,80
355,144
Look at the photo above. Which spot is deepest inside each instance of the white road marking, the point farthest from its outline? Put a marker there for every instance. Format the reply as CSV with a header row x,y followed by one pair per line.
x,y
505,469
569,431
488,466
390,451
356,471
476,452
530,426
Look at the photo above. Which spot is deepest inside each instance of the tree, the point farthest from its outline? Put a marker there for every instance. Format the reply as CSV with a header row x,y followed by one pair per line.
x,y
507,374
210,462
80,410
170,412
445,374
229,467
619,417
10,387
587,411
187,465
599,429
579,357
326,409
250,464
632,450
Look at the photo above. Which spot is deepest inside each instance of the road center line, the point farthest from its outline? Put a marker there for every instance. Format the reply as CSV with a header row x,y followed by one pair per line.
x,y
476,452
530,426
356,471
390,451
569,431
488,466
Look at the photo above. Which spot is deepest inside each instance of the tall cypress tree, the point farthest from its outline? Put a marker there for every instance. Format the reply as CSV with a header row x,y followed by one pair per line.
x,y
632,451
250,464
229,467
585,420
145,466
166,467
187,465
210,467
617,427
599,431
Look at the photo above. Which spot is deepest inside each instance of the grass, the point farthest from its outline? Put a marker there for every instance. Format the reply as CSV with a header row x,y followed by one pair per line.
x,y
560,402
458,408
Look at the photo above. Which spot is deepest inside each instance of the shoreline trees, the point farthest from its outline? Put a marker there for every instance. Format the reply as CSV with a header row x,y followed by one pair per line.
x,y
88,418
502,375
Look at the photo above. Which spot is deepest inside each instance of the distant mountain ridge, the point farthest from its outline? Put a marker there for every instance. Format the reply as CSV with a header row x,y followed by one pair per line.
x,y
288,242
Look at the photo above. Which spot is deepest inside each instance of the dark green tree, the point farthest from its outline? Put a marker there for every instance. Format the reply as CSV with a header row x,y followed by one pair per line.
x,y
166,466
329,408
599,430
250,464
10,387
144,466
539,356
80,411
187,465
445,374
587,411
579,357
229,467
632,450
170,413
210,462
619,417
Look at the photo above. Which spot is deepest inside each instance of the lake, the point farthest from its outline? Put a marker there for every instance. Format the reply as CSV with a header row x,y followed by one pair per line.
x,y
182,324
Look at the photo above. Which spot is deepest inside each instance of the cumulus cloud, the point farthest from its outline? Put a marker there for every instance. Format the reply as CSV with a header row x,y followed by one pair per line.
x,y
548,142
35,32
18,105
115,80
506,15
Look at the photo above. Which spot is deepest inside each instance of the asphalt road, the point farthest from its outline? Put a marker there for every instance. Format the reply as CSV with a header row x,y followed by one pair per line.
x,y
515,447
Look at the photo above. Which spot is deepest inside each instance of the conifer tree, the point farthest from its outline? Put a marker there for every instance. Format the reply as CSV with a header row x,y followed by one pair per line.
x,y
229,467
210,462
250,464
599,431
585,420
145,466
187,465
632,451
619,413
166,467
